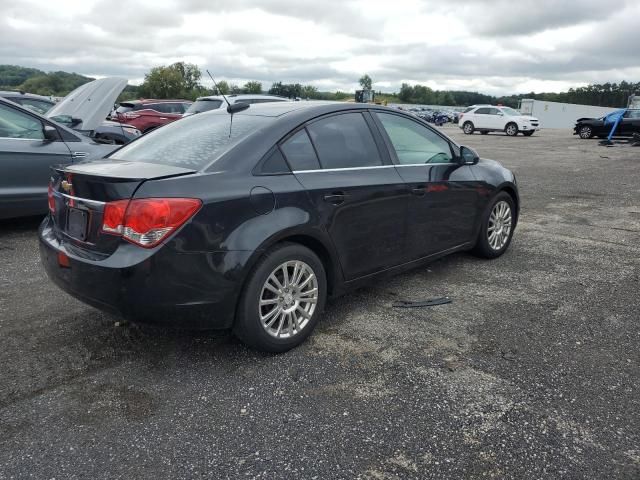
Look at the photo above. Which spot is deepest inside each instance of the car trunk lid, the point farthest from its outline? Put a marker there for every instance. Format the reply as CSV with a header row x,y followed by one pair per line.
x,y
81,191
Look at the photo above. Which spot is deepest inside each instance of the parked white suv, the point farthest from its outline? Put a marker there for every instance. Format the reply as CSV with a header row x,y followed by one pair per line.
x,y
213,102
489,118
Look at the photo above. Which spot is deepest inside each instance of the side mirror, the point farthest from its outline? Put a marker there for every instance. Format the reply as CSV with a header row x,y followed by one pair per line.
x,y
468,156
50,134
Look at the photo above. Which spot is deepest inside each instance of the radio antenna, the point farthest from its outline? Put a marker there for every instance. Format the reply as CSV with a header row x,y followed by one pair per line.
x,y
217,88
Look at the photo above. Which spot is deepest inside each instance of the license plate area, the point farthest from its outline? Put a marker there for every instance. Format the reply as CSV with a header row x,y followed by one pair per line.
x,y
77,223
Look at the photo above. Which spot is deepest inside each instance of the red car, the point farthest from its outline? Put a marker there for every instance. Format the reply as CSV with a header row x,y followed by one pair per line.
x,y
148,114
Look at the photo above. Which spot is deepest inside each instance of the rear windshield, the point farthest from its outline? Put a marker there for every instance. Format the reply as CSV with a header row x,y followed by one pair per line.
x,y
191,142
200,106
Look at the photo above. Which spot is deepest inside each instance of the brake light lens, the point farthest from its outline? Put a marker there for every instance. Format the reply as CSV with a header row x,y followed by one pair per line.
x,y
147,221
51,199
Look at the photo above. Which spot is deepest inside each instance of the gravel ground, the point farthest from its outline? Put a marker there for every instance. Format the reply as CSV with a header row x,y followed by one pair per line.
x,y
531,372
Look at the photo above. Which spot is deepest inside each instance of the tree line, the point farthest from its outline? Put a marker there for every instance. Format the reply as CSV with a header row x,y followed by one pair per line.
x,y
184,80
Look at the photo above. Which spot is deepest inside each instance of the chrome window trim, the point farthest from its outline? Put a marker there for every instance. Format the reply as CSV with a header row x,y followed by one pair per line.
x,y
372,167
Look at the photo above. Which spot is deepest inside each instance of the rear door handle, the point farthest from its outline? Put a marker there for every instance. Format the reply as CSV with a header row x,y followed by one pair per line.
x,y
335,198
418,190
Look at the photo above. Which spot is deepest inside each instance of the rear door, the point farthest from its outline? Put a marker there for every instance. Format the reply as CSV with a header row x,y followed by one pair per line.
x,y
443,205
25,162
359,196
630,123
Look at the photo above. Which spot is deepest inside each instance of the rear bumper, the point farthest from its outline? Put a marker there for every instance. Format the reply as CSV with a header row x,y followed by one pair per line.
x,y
160,286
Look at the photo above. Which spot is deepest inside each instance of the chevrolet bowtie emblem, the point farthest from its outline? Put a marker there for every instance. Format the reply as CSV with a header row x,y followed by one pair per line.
x,y
66,186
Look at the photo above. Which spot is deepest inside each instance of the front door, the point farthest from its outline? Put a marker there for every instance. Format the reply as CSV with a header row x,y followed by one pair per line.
x,y
444,201
360,198
25,162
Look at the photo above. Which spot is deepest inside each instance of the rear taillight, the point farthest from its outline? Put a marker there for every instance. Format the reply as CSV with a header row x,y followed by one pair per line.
x,y
51,199
147,221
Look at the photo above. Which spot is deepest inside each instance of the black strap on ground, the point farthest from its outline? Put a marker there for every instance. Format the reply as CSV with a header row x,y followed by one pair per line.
x,y
421,303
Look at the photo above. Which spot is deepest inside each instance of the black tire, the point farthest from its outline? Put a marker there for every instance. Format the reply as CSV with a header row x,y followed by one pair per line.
x,y
468,128
484,132
248,326
482,247
511,129
585,132
528,134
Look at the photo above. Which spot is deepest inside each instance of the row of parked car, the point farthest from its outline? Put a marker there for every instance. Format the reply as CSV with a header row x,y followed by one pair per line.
x,y
36,133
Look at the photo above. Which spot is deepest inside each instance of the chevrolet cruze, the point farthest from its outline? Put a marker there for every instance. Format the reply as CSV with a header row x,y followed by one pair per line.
x,y
251,221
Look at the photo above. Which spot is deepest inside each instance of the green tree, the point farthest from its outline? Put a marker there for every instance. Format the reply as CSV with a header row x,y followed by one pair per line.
x,y
223,88
179,80
365,82
234,89
252,87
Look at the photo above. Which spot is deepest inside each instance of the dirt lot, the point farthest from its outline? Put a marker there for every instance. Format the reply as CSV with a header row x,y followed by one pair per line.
x,y
531,372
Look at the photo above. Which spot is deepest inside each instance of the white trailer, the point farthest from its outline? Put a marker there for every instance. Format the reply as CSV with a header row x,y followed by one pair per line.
x,y
560,115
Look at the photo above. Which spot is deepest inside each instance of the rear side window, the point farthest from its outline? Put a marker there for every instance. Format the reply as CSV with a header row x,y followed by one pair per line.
x,y
300,153
482,111
468,109
344,141
193,142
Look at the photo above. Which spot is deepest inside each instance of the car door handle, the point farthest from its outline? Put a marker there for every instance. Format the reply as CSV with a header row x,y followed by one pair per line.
x,y
335,198
418,190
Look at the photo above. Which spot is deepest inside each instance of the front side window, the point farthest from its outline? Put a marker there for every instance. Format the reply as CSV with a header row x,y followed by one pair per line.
x,y
511,112
16,124
344,141
300,153
414,143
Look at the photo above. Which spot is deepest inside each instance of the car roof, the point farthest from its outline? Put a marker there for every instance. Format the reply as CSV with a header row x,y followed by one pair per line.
x,y
15,94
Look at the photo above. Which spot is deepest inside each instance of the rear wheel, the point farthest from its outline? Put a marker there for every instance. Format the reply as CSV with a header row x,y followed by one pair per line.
x,y
467,128
585,132
496,231
511,129
282,300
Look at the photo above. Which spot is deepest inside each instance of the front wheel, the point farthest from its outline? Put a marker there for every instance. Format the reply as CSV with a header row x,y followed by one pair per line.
x,y
496,231
511,129
585,132
282,300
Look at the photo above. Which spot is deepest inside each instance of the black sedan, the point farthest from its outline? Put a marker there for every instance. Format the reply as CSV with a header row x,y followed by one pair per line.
x,y
250,221
594,127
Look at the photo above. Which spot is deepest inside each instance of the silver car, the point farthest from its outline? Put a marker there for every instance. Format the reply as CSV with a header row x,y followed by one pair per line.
x,y
30,144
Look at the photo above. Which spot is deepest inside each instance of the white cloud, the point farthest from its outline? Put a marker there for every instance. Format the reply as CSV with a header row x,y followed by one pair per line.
x,y
494,46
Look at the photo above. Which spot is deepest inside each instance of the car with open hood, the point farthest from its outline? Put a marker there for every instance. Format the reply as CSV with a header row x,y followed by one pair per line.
x,y
251,220
107,131
31,143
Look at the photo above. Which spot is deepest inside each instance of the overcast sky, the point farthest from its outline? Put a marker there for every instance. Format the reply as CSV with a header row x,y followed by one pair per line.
x,y
492,46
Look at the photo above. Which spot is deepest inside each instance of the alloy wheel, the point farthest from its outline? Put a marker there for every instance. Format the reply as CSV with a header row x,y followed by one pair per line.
x,y
467,128
585,132
512,130
499,225
288,299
